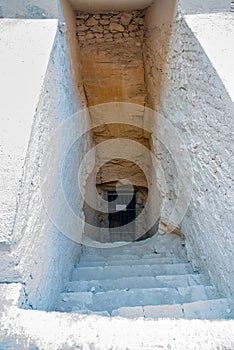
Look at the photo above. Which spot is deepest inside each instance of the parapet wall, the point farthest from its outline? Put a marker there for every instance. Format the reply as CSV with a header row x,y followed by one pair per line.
x,y
110,27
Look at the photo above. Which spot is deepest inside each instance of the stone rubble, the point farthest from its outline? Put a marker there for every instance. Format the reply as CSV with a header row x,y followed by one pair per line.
x,y
110,27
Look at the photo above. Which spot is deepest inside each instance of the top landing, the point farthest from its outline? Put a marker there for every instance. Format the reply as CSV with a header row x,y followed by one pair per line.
x,y
42,9
190,7
29,9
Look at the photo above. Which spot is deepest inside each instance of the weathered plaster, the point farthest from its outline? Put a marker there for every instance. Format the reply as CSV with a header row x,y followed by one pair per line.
x,y
68,25
44,255
221,56
196,100
23,63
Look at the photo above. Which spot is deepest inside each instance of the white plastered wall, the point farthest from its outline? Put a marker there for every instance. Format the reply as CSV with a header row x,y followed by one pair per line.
x,y
196,98
189,75
46,256
23,64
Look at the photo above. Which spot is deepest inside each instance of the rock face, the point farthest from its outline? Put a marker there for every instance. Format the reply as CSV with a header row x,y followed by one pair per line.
x,y
112,64
111,56
128,24
113,71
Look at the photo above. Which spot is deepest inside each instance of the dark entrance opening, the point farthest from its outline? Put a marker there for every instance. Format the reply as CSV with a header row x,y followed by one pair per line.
x,y
121,212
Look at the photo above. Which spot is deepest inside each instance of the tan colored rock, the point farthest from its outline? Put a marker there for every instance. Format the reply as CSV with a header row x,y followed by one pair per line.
x,y
113,73
106,16
89,36
119,169
98,35
116,27
80,22
96,29
166,227
91,22
104,22
139,33
90,41
82,28
81,33
119,41
126,19
82,38
132,27
116,16
139,21
100,40
118,35
82,16
108,36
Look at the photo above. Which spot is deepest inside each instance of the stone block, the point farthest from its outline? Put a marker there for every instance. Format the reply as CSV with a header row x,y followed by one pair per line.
x,y
126,19
116,27
91,22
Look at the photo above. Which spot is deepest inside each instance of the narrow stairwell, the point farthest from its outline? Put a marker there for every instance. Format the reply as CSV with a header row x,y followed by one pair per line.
x,y
150,279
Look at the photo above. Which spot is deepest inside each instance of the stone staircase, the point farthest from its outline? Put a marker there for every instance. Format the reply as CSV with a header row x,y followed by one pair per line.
x,y
150,279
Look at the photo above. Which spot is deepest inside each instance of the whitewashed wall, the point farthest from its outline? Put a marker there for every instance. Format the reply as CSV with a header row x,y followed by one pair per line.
x,y
25,51
46,256
196,101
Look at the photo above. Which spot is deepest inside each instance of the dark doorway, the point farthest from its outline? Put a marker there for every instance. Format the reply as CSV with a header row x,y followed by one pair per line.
x,y
121,211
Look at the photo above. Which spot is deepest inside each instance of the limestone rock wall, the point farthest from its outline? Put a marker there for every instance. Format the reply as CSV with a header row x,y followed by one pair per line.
x,y
191,84
111,57
113,71
110,27
158,30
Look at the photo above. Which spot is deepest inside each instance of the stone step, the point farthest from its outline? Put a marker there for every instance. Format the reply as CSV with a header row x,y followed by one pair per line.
x,y
134,250
108,301
203,309
113,272
137,282
121,257
132,262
